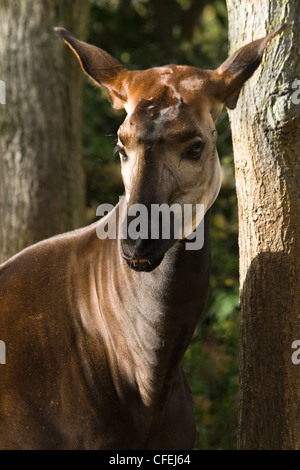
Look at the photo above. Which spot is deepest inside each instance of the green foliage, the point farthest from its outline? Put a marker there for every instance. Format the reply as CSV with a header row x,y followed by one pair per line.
x,y
142,34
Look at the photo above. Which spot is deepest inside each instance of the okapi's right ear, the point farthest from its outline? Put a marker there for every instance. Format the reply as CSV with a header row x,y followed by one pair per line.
x,y
229,78
100,66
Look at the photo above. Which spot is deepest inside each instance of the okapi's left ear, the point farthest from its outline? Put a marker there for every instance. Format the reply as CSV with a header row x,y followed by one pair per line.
x,y
100,66
231,75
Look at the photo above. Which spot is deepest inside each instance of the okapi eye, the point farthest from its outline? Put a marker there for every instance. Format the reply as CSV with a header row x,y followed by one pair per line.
x,y
195,150
122,153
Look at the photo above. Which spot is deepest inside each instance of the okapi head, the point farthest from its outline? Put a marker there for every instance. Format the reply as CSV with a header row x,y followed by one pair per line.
x,y
167,143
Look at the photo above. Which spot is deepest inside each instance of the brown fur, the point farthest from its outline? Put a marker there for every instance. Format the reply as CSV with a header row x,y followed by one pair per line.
x,y
93,341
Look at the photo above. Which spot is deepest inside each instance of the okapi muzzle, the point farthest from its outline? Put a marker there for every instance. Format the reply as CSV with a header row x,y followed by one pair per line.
x,y
153,218
146,237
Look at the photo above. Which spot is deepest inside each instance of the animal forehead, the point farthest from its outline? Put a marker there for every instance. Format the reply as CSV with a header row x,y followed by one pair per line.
x,y
162,106
165,119
185,80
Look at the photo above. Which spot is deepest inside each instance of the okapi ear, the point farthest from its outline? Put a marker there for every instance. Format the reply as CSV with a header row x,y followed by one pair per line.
x,y
100,66
232,74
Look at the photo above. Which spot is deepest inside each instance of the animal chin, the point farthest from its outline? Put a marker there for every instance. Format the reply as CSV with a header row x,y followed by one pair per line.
x,y
144,264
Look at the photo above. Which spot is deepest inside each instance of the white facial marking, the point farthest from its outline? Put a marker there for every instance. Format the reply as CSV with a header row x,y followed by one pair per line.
x,y
191,83
130,170
165,69
167,114
211,188
128,107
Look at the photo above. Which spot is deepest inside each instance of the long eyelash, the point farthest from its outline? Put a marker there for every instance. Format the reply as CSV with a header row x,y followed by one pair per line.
x,y
117,149
121,151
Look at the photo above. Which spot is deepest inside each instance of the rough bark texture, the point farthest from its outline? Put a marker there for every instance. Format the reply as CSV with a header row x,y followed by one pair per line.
x,y
41,178
266,139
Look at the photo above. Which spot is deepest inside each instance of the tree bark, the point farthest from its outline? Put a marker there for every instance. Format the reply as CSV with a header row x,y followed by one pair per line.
x,y
41,177
266,140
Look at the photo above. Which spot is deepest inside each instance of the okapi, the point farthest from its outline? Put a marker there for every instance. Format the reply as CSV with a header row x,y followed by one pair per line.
x,y
95,329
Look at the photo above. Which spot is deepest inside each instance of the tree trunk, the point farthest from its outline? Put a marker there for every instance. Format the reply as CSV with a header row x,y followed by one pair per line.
x,y
41,177
266,139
